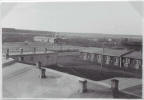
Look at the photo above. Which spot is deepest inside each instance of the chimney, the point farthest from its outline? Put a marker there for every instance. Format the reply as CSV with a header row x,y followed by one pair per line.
x,y
83,84
115,88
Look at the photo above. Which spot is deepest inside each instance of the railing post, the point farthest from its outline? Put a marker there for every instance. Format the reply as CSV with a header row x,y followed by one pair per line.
x,y
83,84
115,88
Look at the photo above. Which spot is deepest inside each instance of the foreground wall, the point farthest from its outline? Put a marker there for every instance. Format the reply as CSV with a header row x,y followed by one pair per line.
x,y
45,59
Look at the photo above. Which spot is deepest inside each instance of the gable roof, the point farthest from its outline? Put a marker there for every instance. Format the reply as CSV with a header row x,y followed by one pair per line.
x,y
105,51
135,54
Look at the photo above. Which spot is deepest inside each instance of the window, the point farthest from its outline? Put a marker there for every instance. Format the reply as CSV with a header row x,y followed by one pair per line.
x,y
99,58
92,57
137,65
127,62
108,59
116,61
85,56
88,57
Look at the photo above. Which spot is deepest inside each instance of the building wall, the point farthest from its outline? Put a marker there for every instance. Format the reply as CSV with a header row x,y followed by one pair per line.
x,y
44,39
45,59
113,61
132,63
49,59
96,58
40,39
91,57
51,40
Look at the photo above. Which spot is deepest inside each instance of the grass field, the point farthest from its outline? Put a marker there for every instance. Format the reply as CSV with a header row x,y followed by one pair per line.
x,y
94,73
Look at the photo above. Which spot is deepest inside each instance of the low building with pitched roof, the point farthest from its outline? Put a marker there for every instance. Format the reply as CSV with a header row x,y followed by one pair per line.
x,y
120,58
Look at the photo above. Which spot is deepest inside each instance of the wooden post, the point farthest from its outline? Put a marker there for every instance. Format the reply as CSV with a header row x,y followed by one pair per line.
x,y
115,88
83,85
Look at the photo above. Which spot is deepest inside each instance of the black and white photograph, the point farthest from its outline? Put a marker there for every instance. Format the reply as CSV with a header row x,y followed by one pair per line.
x,y
91,49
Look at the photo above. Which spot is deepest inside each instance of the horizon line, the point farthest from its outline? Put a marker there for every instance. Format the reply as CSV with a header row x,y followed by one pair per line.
x,y
71,32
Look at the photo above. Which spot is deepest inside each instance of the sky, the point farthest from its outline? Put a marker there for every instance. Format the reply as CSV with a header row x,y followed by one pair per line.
x,y
81,17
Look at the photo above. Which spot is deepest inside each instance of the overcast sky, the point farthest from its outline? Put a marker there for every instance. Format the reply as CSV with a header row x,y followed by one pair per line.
x,y
86,17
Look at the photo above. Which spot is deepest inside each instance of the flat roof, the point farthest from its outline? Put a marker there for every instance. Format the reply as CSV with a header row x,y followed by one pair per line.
x,y
23,81
128,85
135,54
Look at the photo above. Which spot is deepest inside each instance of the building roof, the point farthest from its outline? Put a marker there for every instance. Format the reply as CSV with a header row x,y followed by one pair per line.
x,y
23,81
128,85
8,61
114,52
135,54
105,51
92,50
